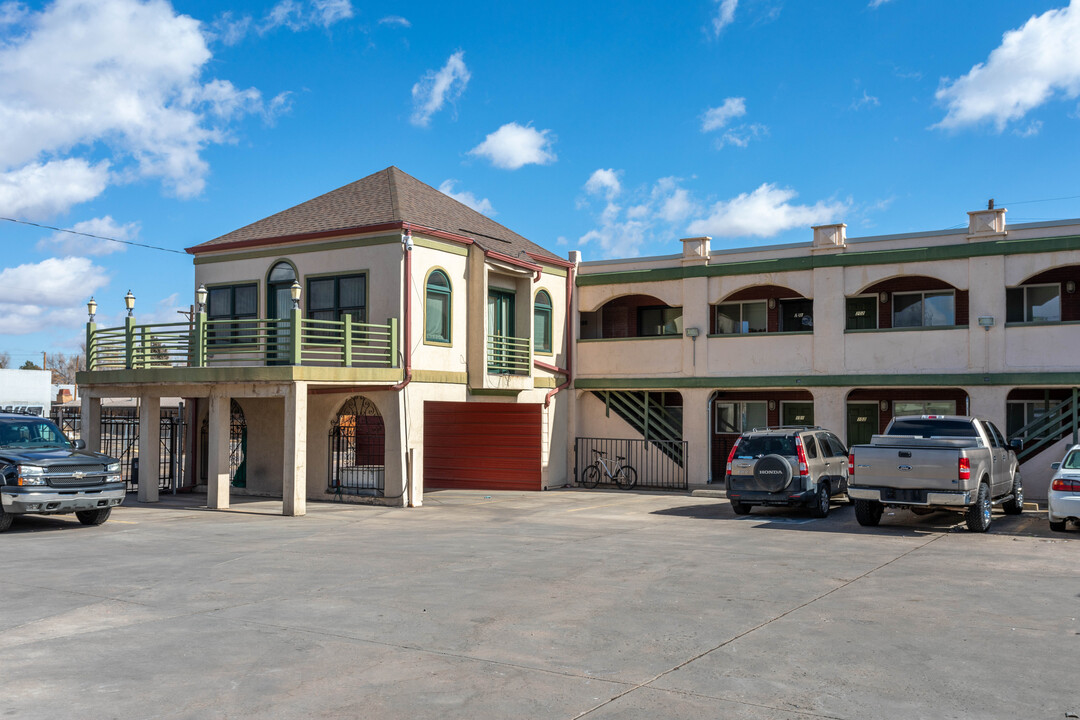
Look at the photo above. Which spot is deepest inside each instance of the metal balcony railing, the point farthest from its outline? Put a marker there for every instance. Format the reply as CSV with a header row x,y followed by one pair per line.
x,y
243,342
509,355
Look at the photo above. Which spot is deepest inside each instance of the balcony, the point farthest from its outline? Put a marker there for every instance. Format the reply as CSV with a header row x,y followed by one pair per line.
x,y
508,355
230,350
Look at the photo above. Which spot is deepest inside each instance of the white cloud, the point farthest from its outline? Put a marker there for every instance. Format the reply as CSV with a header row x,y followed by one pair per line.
x,y
40,190
437,88
623,230
395,20
297,15
878,3
1033,128
717,117
228,29
480,205
48,294
604,182
121,79
867,100
12,13
63,243
513,146
725,15
741,135
764,212
1031,65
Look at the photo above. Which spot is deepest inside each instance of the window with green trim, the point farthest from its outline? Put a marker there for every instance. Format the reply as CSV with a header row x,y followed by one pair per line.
x,y
329,298
230,302
437,316
542,322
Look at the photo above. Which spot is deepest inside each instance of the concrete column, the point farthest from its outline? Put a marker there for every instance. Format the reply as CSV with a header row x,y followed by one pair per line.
x,y
90,421
988,403
830,409
149,448
696,434
294,484
830,316
986,298
217,452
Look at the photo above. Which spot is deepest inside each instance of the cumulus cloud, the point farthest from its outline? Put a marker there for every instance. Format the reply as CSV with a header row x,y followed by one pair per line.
x,y
622,230
296,15
395,20
717,117
85,80
765,212
439,87
67,244
513,146
1031,66
480,205
725,15
48,294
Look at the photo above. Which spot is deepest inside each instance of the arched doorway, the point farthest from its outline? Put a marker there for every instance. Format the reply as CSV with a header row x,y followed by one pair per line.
x,y
237,447
278,304
357,449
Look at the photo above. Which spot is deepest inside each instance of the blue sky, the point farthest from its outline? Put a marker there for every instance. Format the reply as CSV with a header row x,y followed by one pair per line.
x,y
615,128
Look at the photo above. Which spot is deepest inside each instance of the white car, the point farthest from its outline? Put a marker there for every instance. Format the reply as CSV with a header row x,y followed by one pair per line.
x,y
1064,495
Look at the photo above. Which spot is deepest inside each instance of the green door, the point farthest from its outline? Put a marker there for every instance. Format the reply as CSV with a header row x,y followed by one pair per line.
x,y
500,325
797,413
862,422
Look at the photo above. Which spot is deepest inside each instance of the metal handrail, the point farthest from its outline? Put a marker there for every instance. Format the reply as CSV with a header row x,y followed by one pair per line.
x,y
508,354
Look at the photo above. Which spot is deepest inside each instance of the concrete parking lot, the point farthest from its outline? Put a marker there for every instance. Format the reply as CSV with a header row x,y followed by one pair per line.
x,y
562,604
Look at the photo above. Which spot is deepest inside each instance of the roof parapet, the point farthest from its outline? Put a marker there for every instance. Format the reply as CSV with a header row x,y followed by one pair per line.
x,y
696,250
987,224
830,237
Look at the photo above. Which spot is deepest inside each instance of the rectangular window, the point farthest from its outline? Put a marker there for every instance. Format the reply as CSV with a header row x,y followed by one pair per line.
x,y
740,318
328,298
862,313
659,320
740,417
796,315
1033,303
924,309
924,407
231,302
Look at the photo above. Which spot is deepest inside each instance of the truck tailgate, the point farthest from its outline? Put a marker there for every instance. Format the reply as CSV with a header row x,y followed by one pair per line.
x,y
906,467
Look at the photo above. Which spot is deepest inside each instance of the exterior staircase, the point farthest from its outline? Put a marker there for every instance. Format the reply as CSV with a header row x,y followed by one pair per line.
x,y
1057,423
657,424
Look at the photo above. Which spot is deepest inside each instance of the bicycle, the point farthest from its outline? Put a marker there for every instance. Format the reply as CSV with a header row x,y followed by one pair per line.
x,y
622,474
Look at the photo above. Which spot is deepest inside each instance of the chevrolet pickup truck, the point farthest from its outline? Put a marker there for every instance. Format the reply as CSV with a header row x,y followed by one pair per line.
x,y
44,473
936,462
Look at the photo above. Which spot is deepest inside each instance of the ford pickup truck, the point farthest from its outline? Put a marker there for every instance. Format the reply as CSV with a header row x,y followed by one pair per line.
x,y
936,462
44,473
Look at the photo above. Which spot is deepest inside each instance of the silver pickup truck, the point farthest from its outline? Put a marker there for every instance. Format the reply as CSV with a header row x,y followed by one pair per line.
x,y
936,462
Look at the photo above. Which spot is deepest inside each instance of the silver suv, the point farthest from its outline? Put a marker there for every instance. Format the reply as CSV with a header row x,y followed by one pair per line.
x,y
790,466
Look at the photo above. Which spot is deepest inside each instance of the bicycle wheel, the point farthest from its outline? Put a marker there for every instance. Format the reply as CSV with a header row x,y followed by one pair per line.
x,y
627,478
591,477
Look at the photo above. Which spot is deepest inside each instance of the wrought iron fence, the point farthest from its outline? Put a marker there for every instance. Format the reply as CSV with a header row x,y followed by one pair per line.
x,y
357,446
652,459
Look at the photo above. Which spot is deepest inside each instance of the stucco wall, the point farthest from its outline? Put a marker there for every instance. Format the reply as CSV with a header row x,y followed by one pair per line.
x,y
26,391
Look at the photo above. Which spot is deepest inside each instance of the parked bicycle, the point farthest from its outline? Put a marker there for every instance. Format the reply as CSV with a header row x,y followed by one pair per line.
x,y
622,474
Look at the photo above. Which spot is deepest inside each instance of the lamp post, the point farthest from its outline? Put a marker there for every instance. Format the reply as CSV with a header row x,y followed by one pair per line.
x,y
91,308
294,293
129,303
200,298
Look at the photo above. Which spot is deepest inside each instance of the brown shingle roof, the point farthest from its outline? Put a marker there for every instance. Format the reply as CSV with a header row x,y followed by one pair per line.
x,y
388,196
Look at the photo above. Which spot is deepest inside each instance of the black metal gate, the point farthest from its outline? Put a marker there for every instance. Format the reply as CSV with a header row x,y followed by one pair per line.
x,y
654,460
120,439
237,446
357,443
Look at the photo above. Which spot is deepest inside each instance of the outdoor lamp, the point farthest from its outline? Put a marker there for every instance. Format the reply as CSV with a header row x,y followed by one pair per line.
x,y
129,303
91,308
200,297
294,292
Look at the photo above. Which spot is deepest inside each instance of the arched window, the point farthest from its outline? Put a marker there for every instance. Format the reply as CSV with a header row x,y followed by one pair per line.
x,y
437,308
542,322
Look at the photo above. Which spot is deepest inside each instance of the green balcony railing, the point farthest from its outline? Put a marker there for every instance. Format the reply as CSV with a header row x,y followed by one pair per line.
x,y
247,342
509,355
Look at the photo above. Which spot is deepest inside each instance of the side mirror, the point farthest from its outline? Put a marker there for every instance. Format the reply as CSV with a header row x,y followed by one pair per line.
x,y
1017,444
79,444
1055,466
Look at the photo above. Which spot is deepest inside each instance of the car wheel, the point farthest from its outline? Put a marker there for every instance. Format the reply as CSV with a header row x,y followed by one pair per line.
x,y
1058,525
93,517
1016,505
978,515
739,508
591,477
868,512
820,507
627,478
5,520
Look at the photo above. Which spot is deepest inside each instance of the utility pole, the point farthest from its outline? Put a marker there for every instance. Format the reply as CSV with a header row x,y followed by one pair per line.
x,y
44,361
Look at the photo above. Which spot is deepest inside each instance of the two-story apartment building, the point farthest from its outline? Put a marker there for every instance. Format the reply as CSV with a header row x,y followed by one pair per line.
x,y
370,342
840,332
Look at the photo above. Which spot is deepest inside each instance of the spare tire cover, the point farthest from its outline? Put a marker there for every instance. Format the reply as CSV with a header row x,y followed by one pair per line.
x,y
772,473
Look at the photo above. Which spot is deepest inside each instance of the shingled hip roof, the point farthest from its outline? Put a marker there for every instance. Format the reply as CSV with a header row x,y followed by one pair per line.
x,y
386,198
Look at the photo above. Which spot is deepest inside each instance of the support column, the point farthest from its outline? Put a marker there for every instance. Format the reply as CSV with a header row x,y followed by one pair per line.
x,y
830,409
294,477
90,422
149,448
217,452
696,433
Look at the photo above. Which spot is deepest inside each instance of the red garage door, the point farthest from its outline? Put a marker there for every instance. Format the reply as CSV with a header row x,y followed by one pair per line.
x,y
482,446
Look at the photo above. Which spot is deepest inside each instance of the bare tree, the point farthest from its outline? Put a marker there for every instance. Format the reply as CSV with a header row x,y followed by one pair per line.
x,y
64,367
5,360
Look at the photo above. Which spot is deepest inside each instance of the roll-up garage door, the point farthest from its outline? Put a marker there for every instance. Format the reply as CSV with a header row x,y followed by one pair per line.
x,y
482,445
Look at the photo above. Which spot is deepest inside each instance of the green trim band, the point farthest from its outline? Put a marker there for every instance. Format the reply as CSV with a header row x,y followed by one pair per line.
x,y
624,339
494,392
920,328
935,253
936,379
440,376
541,381
759,334
440,246
284,251
273,373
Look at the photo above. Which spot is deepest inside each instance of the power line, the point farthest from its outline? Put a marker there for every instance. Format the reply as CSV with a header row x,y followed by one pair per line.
x,y
1027,202
98,237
